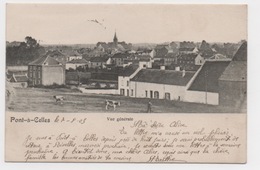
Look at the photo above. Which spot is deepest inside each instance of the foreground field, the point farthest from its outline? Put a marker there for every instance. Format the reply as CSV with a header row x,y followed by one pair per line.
x,y
41,100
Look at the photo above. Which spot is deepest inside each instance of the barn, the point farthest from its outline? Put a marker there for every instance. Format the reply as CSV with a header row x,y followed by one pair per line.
x,y
160,84
204,86
233,81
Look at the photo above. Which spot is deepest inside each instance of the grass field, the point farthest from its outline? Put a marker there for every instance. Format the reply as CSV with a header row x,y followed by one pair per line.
x,y
41,100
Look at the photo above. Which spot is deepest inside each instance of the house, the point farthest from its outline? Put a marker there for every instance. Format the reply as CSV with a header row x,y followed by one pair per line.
x,y
57,55
160,52
124,79
150,52
170,59
46,71
189,61
204,87
118,58
233,81
19,80
160,84
74,64
73,55
99,62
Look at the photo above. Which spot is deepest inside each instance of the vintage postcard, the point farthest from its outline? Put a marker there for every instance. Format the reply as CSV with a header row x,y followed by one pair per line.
x,y
146,83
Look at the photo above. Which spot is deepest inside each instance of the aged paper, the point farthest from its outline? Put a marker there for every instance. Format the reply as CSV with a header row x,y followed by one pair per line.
x,y
126,83
180,138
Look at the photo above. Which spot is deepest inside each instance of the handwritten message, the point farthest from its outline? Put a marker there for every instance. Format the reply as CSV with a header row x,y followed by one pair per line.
x,y
133,139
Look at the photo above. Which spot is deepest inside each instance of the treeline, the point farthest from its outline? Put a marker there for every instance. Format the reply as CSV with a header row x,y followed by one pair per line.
x,y
23,53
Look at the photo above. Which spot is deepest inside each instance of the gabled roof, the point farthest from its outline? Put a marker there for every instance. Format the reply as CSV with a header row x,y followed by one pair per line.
x,y
45,60
235,71
218,56
207,78
121,55
98,59
168,77
55,53
19,78
241,54
144,57
128,71
78,61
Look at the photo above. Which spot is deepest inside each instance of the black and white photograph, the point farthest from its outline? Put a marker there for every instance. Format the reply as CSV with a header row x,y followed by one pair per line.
x,y
126,58
94,84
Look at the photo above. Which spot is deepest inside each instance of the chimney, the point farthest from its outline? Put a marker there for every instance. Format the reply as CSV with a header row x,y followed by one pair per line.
x,y
183,73
162,67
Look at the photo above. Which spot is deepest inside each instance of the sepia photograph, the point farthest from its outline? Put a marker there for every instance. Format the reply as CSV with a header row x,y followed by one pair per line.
x,y
126,58
128,83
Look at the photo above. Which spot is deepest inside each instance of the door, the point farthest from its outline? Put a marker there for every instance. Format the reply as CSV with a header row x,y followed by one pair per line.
x,y
122,92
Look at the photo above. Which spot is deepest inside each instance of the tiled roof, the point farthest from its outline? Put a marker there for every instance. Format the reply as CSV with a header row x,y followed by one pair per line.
x,y
121,55
20,78
78,61
169,77
128,71
144,57
207,78
98,59
241,54
235,71
45,60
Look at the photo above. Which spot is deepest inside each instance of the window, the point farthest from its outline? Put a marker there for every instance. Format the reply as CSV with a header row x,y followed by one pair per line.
x,y
156,95
127,83
167,96
132,92
146,93
127,92
39,74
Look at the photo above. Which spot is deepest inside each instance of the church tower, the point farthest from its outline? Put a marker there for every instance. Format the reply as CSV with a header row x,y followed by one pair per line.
x,y
115,40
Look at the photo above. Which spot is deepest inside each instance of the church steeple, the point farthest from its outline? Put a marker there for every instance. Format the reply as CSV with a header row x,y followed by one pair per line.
x,y
115,40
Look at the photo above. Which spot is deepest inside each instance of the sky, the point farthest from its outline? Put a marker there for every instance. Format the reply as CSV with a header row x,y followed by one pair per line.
x,y
75,23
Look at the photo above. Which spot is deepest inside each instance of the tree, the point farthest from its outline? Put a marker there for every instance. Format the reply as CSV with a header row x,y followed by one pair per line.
x,y
25,53
31,42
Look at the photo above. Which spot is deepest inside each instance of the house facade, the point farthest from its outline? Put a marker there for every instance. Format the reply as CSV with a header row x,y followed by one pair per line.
x,y
46,71
124,80
189,61
119,58
160,84
99,62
